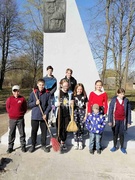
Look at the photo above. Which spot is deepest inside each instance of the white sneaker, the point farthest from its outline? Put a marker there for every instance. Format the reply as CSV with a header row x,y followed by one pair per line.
x,y
80,145
75,145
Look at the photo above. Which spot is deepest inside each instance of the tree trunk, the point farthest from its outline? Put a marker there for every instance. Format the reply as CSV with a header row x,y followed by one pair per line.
x,y
106,40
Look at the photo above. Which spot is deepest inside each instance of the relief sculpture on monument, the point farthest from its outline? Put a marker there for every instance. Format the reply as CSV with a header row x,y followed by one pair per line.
x,y
54,16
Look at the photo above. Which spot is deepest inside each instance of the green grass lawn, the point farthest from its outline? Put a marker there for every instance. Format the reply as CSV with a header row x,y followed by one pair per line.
x,y
6,92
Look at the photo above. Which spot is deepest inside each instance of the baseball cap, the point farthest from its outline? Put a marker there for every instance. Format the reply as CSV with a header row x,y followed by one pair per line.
x,y
15,87
95,106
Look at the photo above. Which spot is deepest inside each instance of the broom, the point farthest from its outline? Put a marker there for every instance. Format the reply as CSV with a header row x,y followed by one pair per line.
x,y
59,114
54,142
72,127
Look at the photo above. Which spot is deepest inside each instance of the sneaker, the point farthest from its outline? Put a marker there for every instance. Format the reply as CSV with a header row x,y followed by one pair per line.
x,y
10,150
45,149
80,145
91,151
75,145
64,147
113,149
123,150
23,149
32,149
98,151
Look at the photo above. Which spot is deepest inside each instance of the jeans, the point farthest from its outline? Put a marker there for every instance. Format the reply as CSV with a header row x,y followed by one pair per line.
x,y
95,138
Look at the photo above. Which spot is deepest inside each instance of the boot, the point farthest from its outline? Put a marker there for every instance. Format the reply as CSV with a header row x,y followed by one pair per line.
x,y
23,148
32,149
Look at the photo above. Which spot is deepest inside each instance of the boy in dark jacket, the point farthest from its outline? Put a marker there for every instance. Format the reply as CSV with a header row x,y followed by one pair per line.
x,y
71,80
119,118
16,107
95,123
51,86
36,116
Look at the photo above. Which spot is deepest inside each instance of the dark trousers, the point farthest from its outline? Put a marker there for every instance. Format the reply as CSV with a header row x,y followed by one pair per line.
x,y
118,130
35,125
12,132
63,126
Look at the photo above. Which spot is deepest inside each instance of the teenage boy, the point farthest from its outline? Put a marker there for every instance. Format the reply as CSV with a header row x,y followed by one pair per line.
x,y
71,80
37,119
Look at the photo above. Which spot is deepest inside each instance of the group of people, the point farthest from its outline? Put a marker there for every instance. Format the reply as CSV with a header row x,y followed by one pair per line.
x,y
90,112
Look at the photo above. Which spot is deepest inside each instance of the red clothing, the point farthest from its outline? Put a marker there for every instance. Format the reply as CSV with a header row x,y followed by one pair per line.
x,y
119,111
16,107
101,100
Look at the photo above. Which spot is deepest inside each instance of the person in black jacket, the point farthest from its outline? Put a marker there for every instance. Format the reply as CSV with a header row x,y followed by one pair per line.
x,y
37,119
71,80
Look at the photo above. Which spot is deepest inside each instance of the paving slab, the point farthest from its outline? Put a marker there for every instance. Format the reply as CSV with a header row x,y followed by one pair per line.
x,y
72,165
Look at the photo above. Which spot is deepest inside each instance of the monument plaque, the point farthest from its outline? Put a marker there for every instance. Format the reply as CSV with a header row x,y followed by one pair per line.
x,y
54,16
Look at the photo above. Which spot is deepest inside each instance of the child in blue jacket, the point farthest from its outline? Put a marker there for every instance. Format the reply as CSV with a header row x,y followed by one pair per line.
x,y
37,119
119,118
95,123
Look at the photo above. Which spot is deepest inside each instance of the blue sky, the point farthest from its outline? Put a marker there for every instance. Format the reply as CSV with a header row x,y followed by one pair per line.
x,y
83,6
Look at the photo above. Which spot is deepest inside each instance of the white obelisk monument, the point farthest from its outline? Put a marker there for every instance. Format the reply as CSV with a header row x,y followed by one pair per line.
x,y
71,49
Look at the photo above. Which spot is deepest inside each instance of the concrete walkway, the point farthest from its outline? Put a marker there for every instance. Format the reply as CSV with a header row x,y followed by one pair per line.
x,y
74,164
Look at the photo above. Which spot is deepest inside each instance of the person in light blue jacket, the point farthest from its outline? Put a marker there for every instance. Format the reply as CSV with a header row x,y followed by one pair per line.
x,y
95,124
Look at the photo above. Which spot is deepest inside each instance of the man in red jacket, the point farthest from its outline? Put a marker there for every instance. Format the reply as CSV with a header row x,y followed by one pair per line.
x,y
16,107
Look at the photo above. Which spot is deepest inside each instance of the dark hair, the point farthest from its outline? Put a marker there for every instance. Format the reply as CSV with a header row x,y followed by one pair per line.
x,y
120,90
49,67
75,90
41,80
99,81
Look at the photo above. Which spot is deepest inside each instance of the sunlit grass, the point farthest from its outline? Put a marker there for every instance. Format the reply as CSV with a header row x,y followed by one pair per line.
x,y
6,92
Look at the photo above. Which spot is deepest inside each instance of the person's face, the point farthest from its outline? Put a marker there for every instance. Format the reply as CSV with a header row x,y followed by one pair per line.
x,y
96,110
98,86
40,86
50,7
56,24
79,90
65,86
49,72
68,74
121,95
15,93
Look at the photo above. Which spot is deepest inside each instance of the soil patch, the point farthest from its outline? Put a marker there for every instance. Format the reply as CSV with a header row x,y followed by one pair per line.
x,y
3,123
